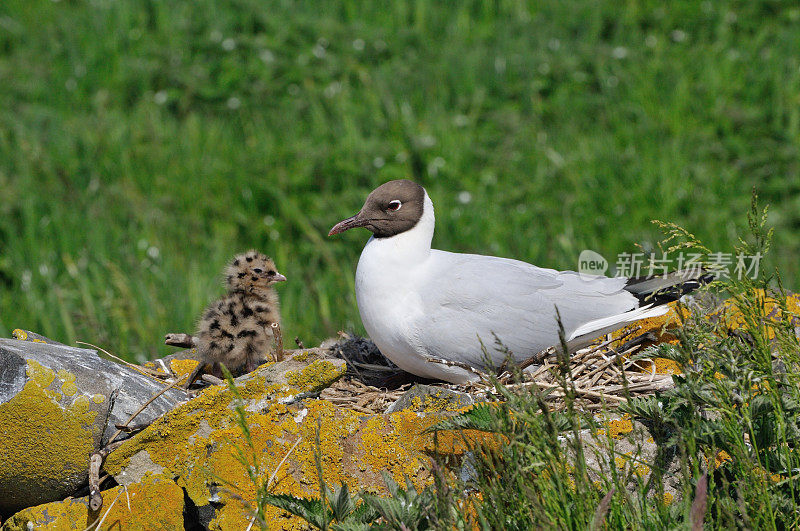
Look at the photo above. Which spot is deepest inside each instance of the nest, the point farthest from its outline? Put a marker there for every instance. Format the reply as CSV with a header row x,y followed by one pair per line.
x,y
600,376
352,394
603,375
367,365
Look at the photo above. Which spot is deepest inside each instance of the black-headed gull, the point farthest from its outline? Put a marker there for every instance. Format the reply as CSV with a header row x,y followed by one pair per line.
x,y
419,303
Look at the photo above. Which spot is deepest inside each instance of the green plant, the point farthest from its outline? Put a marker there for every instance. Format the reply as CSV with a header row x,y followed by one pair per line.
x,y
334,509
736,408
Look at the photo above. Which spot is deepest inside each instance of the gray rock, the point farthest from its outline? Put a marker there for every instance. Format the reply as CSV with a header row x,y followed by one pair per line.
x,y
431,398
54,412
27,335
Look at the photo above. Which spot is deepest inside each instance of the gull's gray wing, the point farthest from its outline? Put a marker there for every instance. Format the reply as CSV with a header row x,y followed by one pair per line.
x,y
471,296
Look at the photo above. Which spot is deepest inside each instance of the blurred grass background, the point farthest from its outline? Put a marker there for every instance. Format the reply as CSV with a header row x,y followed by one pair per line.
x,y
144,143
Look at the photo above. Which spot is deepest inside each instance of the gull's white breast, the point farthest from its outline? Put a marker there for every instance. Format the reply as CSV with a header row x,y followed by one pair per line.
x,y
391,280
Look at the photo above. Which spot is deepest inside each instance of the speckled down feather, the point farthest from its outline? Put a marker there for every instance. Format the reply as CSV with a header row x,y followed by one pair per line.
x,y
236,329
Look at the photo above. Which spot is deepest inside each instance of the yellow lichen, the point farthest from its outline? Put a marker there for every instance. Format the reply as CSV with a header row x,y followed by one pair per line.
x,y
733,318
81,404
665,366
41,375
302,356
65,375
721,458
254,387
22,335
729,314
182,367
98,398
660,326
317,375
618,427
439,401
69,388
52,441
154,503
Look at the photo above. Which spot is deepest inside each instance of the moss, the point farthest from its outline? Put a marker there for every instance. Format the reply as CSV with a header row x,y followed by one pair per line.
x,y
315,376
44,432
155,503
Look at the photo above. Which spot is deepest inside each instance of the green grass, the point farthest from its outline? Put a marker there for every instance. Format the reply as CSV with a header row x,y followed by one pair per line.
x,y
144,143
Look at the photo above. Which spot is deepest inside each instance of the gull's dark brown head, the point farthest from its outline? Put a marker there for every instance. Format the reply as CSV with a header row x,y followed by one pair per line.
x,y
251,272
390,209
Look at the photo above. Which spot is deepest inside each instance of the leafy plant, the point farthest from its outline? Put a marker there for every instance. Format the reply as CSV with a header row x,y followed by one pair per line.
x,y
735,409
337,510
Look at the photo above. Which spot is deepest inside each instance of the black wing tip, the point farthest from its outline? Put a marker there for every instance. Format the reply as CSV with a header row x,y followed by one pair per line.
x,y
675,288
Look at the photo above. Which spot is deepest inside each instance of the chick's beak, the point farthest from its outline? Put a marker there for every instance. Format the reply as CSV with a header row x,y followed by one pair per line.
x,y
349,223
278,277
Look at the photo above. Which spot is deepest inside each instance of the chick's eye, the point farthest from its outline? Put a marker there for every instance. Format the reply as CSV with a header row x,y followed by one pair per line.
x,y
394,205
271,273
258,270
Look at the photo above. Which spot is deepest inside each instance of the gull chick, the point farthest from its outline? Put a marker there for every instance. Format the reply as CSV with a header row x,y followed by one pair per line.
x,y
419,303
236,330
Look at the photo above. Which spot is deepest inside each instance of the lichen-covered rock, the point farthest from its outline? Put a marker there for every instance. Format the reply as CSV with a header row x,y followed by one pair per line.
x,y
54,402
199,444
625,446
428,398
154,503
662,329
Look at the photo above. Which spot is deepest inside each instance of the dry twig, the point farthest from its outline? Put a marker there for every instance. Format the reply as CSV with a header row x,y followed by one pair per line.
x,y
278,335
482,375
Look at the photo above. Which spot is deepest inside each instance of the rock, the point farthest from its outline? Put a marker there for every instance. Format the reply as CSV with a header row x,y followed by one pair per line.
x,y
427,398
54,402
199,443
27,335
626,445
179,363
154,503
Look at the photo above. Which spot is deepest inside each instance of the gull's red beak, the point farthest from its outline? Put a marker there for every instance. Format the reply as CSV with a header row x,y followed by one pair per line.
x,y
349,223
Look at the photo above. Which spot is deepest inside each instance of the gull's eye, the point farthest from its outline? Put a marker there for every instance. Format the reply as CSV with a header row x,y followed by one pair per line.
x,y
394,206
258,270
271,273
